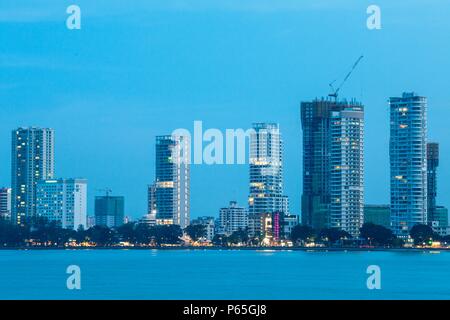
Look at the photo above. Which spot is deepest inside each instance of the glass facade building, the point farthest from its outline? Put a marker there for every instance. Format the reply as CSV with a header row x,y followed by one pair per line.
x,y
408,162
169,197
432,165
32,161
333,164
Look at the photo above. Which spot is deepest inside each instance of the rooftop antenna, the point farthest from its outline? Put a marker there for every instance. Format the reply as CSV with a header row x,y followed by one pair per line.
x,y
335,92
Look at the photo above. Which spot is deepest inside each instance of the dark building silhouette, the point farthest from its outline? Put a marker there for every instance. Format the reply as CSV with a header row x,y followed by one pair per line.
x,y
109,211
432,164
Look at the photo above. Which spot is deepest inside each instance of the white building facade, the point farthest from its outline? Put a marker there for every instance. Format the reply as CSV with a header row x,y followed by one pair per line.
x,y
347,169
233,218
5,203
64,201
266,171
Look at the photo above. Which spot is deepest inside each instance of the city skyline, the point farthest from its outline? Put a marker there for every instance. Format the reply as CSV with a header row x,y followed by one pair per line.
x,y
53,87
269,130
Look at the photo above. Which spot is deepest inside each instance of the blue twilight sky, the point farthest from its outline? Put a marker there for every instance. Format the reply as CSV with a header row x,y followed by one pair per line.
x,y
137,69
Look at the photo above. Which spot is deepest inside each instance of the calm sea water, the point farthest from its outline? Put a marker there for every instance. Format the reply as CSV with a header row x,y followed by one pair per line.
x,y
223,274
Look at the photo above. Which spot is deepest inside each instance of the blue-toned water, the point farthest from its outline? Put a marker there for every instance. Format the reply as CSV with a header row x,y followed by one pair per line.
x,y
223,274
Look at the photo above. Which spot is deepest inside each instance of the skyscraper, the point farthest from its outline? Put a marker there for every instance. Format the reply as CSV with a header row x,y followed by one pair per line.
x,y
5,203
347,169
32,160
171,189
408,161
333,164
432,164
63,201
266,170
109,211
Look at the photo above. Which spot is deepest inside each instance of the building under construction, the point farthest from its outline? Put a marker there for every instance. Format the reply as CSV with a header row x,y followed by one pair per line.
x,y
333,164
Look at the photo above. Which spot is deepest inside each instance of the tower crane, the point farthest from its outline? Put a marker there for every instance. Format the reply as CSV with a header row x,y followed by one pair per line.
x,y
335,92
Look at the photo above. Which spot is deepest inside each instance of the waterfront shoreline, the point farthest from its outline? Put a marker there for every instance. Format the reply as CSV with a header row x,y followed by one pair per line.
x,y
305,249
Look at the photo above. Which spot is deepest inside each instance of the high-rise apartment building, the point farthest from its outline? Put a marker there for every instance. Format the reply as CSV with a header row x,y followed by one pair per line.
x,y
5,203
333,164
408,162
32,161
63,201
266,170
171,190
347,169
109,211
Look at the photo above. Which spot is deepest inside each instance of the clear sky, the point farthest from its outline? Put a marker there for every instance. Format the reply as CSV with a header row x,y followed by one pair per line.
x,y
138,69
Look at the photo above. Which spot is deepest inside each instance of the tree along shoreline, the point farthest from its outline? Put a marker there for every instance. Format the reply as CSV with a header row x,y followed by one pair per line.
x,y
39,233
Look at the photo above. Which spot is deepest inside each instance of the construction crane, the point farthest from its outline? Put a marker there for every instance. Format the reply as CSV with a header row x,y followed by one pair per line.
x,y
335,92
107,191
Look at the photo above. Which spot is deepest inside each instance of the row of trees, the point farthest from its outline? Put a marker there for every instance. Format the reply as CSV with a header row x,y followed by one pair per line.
x,y
373,234
45,233
42,232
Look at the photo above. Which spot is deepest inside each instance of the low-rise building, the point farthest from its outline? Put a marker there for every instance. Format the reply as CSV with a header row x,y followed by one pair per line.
x,y
233,218
440,222
208,223
5,203
63,201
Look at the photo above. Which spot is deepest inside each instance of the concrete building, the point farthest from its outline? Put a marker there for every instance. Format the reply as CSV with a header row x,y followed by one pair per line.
x,y
149,219
63,201
5,203
169,197
233,218
408,162
109,211
32,159
208,223
290,221
440,222
378,214
90,221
